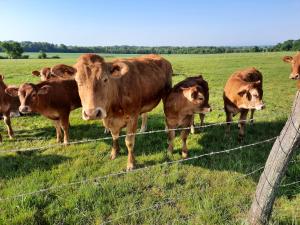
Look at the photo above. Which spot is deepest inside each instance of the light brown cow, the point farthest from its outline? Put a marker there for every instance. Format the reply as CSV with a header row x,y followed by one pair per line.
x,y
60,71
188,97
119,91
54,99
8,104
243,92
295,67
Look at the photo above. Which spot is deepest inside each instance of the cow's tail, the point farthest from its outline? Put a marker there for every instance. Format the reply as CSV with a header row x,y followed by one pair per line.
x,y
168,85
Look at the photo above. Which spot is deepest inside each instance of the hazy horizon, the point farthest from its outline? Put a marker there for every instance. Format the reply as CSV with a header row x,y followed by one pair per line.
x,y
151,23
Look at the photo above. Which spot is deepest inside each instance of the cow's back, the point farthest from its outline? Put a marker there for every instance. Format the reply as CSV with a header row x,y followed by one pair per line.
x,y
63,94
149,79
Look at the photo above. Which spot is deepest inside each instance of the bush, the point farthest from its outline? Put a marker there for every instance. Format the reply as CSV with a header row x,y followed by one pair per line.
x,y
55,57
3,57
25,57
42,55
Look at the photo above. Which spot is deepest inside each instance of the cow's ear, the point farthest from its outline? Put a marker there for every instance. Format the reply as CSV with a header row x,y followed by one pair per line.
x,y
1,77
44,90
12,91
36,73
287,59
62,69
118,69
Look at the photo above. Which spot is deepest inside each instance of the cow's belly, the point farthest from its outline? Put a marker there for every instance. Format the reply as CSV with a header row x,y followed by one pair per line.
x,y
149,106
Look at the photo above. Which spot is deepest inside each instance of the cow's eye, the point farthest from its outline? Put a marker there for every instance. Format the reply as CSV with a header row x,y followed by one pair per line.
x,y
33,95
105,79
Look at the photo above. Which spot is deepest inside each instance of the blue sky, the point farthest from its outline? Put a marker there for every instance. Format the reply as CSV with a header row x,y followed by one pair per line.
x,y
150,22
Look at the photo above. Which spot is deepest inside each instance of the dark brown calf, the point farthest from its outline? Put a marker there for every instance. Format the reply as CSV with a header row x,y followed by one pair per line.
x,y
8,104
186,98
60,71
54,99
243,92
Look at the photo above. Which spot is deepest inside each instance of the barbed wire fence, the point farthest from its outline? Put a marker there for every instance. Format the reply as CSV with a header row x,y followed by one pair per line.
x,y
117,174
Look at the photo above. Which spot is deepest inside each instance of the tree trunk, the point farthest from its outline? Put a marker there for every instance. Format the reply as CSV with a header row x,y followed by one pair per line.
x,y
276,167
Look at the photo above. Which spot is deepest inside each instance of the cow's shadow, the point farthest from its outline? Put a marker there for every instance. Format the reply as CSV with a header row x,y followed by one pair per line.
x,y
18,165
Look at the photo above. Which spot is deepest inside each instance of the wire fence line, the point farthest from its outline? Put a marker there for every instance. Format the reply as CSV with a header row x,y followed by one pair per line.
x,y
95,179
41,148
174,200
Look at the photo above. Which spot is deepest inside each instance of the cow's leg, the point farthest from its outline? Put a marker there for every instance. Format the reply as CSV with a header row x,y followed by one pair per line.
x,y
171,135
129,141
6,118
64,123
228,121
242,123
144,122
184,135
201,116
251,116
115,145
58,131
193,125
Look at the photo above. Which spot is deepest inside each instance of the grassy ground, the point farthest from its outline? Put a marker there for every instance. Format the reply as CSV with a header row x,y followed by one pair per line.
x,y
209,190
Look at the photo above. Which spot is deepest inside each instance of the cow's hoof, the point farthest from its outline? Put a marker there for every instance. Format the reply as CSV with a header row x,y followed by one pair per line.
x,y
106,131
170,149
130,167
192,129
66,143
113,156
184,154
143,129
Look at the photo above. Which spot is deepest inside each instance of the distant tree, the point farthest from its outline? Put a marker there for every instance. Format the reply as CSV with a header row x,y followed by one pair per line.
x,y
12,49
42,55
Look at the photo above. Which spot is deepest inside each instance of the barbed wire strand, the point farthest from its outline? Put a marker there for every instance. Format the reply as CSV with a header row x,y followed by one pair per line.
x,y
138,169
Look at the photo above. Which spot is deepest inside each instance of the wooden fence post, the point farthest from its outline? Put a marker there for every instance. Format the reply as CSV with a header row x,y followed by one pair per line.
x,y
275,168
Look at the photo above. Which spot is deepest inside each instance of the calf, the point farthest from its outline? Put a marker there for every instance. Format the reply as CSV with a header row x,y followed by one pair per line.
x,y
8,104
243,92
60,71
54,99
295,67
186,98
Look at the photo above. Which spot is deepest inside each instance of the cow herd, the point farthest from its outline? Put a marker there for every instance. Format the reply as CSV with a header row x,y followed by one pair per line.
x,y
118,92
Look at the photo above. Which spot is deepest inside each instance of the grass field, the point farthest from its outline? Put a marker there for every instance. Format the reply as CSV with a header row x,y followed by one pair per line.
x,y
208,190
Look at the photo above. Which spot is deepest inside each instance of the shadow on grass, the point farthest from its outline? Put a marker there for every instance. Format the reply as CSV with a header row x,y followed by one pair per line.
x,y
19,165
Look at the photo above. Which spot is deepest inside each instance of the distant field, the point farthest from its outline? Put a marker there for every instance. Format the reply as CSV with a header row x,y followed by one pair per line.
x,y
214,192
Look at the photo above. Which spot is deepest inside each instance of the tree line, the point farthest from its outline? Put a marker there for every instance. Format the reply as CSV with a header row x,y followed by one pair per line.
x,y
15,49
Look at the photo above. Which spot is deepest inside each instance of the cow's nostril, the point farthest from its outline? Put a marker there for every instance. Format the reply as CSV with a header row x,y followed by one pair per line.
x,y
98,114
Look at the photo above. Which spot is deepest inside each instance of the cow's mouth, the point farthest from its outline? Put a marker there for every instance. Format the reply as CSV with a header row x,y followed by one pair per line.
x,y
25,109
295,77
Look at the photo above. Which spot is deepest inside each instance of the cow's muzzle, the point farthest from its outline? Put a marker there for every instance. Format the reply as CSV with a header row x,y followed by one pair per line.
x,y
93,114
24,109
295,76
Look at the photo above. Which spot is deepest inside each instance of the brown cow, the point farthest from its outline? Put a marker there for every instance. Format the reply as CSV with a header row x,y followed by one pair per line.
x,y
119,91
186,98
8,104
54,99
243,92
60,71
295,66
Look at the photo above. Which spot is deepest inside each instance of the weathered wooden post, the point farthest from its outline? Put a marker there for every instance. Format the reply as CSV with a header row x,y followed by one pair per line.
x,y
276,167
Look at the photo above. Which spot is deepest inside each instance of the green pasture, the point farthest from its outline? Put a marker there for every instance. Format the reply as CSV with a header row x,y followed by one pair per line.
x,y
211,190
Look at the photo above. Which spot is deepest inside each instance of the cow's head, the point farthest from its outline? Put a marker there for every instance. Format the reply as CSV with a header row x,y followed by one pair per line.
x,y
96,80
198,98
251,96
29,95
295,65
44,74
60,71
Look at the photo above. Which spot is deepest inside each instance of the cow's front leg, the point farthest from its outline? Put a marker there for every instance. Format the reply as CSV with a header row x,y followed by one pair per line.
x,y
115,145
129,141
251,116
242,124
64,122
6,118
228,121
58,131
144,122
184,135
193,125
